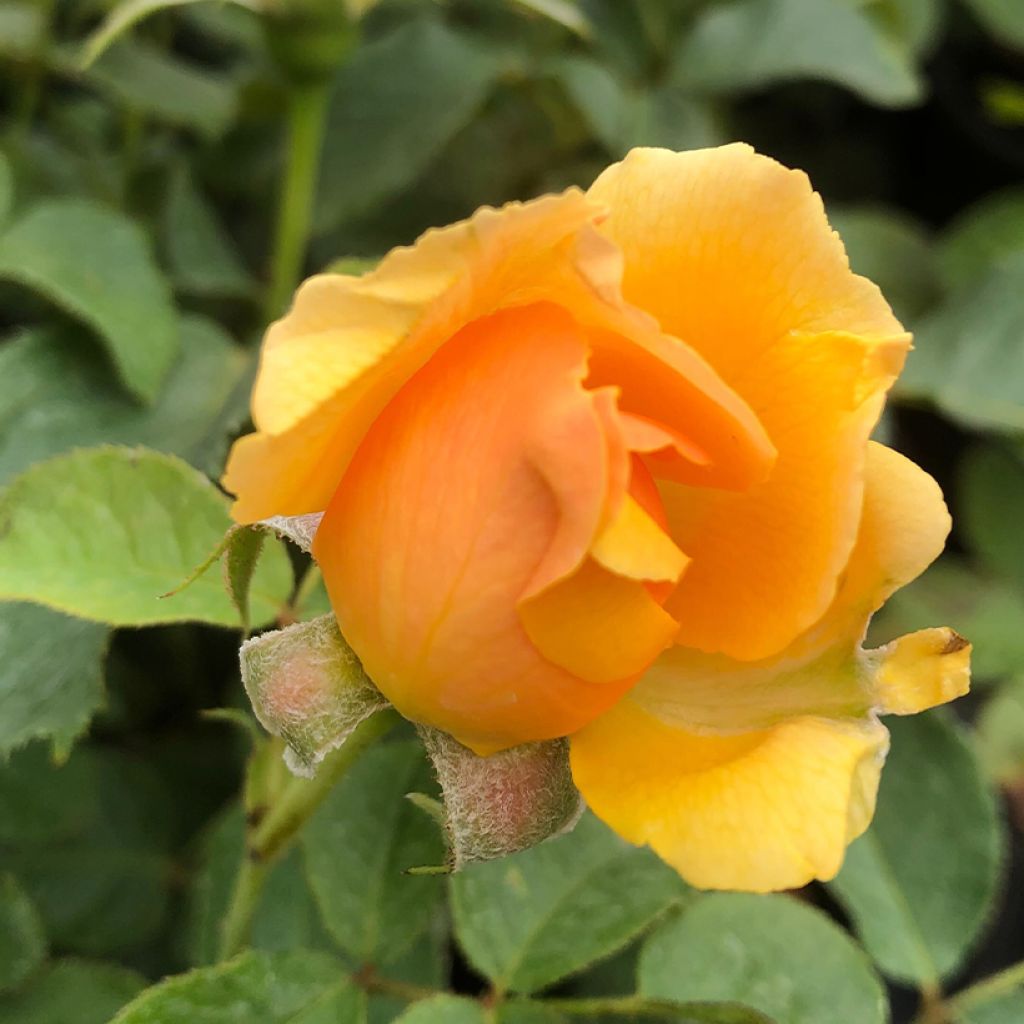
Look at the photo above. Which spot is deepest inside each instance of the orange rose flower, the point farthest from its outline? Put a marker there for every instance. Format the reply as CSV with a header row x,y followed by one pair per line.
x,y
598,466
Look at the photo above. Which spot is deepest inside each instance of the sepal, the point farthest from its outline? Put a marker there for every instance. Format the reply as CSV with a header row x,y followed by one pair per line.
x,y
505,802
308,687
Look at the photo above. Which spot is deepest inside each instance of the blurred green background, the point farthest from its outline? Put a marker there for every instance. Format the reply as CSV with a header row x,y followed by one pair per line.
x,y
137,209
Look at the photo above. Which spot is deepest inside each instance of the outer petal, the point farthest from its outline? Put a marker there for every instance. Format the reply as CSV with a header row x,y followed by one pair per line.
x,y
755,775
732,253
824,672
767,561
426,589
348,345
756,811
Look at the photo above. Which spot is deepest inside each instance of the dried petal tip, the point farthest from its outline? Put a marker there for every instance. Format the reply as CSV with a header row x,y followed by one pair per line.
x,y
307,687
503,803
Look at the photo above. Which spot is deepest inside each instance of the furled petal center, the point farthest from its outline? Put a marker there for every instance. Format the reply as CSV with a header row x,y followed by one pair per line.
x,y
491,522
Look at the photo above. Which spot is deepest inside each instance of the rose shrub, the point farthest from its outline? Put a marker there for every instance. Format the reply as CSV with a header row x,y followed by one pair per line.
x,y
598,465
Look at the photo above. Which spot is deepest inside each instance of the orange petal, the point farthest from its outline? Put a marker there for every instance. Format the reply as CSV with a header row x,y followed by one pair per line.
x,y
346,347
732,253
444,516
824,671
756,811
348,344
767,561
597,625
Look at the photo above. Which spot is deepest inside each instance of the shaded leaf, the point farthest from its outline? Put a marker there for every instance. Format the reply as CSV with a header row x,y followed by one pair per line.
x,y
55,394
6,186
22,29
81,991
1003,18
751,44
771,953
99,872
128,13
203,258
968,355
359,843
1006,1008
22,942
397,101
257,988
531,919
622,115
143,77
285,917
920,885
97,264
444,1009
981,236
51,675
895,252
991,509
999,734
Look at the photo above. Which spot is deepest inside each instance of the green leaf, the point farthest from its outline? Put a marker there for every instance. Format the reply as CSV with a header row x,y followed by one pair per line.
x,y
895,252
999,734
1007,1008
752,44
444,1009
22,942
991,509
127,14
968,355
6,189
920,885
144,78
533,918
623,115
981,236
22,29
57,394
1003,18
66,249
425,963
98,867
988,612
103,532
562,12
203,258
51,676
397,102
76,991
359,843
286,916
255,988
771,953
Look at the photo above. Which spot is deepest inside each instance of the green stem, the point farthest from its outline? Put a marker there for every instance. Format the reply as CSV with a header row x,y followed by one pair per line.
x,y
274,831
307,117
989,988
245,898
35,76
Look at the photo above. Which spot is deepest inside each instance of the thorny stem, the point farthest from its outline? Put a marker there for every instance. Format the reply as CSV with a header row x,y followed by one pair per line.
x,y
271,833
